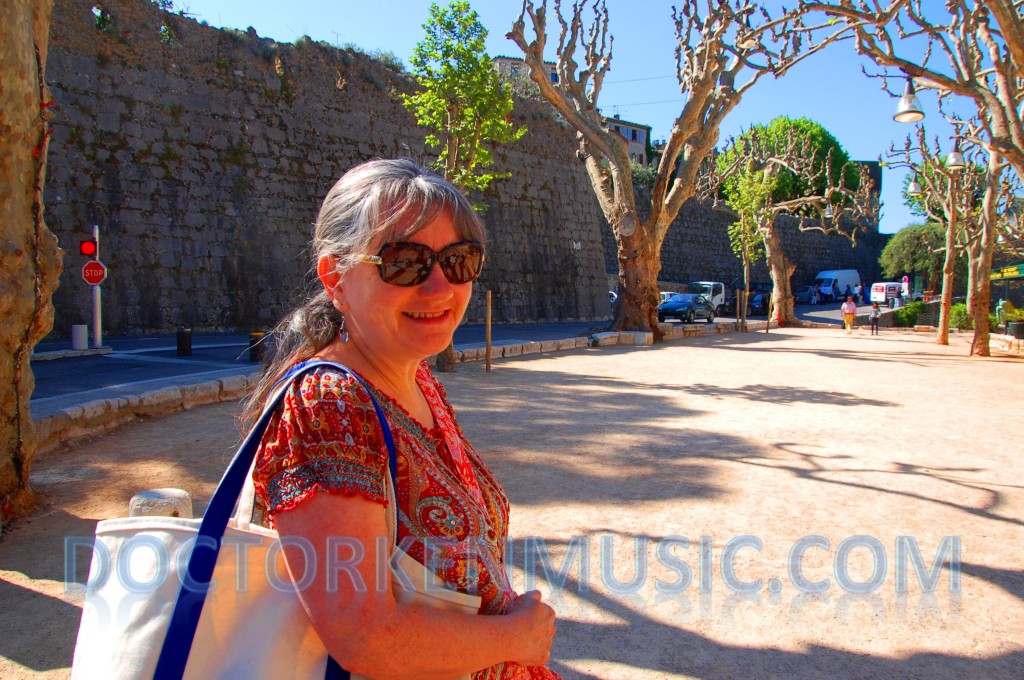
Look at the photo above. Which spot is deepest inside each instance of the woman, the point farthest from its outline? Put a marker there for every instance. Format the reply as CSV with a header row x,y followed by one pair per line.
x,y
396,249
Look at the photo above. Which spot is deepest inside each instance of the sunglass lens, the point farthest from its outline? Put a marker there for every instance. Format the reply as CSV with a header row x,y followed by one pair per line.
x,y
405,264
461,263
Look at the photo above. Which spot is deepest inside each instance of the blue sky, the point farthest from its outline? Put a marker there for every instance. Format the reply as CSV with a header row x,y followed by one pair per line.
x,y
641,86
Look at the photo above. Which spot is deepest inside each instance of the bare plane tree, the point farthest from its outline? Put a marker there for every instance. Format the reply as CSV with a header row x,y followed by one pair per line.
x,y
975,49
723,48
977,204
30,263
829,206
947,194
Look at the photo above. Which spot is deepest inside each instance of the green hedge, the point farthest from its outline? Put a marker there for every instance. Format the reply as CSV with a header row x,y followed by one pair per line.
x,y
906,316
959,318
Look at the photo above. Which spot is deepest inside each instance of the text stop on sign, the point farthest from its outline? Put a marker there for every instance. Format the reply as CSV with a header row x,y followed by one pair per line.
x,y
94,272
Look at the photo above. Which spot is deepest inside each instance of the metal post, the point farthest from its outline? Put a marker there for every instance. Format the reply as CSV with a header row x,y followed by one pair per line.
x,y
97,314
97,318
487,333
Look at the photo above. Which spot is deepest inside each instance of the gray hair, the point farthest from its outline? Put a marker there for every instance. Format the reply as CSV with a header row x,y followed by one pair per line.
x,y
386,200
373,203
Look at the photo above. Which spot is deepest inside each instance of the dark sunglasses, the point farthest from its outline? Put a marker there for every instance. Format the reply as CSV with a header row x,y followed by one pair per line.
x,y
409,264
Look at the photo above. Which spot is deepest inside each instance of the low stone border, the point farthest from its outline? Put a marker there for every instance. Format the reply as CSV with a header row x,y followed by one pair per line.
x,y
98,417
66,353
1006,343
104,415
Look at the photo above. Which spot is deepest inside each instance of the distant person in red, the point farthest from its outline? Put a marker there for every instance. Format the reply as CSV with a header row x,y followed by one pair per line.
x,y
849,311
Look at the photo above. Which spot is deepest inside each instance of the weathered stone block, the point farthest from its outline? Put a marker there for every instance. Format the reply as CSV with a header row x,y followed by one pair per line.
x,y
203,393
531,348
157,402
605,339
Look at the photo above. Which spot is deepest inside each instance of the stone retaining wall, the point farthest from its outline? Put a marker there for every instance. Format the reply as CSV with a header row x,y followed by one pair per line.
x,y
203,155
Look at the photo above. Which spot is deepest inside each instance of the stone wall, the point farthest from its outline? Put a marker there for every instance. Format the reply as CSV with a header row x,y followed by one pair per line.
x,y
696,248
203,154
204,158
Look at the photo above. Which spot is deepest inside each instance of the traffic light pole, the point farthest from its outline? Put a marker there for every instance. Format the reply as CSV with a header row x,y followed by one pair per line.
x,y
97,315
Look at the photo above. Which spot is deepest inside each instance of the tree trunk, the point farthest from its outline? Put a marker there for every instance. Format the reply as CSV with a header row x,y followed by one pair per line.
x,y
781,270
981,300
639,265
981,263
30,263
445,361
741,297
948,267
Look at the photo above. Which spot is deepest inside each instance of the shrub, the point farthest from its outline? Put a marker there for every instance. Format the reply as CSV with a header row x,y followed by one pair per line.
x,y
644,176
959,318
907,316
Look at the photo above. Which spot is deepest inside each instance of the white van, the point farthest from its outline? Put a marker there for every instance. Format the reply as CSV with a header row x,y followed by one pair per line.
x,y
884,292
832,283
714,291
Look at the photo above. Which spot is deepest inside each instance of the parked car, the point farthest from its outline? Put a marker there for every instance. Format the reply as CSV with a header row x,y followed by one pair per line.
x,y
714,291
666,294
686,307
804,295
759,304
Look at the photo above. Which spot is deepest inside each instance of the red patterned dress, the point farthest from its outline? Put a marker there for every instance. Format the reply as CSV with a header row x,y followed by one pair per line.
x,y
452,512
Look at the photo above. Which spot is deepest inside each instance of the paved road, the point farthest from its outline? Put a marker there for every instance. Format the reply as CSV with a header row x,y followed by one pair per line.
x,y
151,361
141,363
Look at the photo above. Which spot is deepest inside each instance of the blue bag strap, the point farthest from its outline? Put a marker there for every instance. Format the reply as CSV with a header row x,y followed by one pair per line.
x,y
188,606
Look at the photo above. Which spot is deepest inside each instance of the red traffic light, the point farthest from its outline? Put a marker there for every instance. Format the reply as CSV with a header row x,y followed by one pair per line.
x,y
87,247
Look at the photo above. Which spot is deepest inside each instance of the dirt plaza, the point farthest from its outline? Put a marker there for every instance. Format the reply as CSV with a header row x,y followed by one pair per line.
x,y
796,504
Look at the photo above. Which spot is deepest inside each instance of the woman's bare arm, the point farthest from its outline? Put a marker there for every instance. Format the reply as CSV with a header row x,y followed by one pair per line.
x,y
367,631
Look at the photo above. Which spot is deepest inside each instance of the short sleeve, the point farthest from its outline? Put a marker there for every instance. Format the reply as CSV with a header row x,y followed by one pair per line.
x,y
324,437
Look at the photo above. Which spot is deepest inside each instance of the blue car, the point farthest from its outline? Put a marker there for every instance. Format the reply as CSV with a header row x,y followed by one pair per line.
x,y
686,307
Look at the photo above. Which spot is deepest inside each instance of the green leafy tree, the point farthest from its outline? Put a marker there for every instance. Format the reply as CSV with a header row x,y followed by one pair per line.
x,y
463,100
747,195
919,249
791,167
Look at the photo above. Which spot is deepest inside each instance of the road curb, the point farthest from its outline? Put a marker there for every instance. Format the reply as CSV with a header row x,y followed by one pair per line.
x,y
101,416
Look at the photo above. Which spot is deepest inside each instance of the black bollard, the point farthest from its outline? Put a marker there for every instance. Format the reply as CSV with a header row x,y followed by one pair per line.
x,y
184,342
256,346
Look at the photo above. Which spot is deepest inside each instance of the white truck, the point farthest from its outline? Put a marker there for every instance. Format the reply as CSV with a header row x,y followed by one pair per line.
x,y
832,283
714,291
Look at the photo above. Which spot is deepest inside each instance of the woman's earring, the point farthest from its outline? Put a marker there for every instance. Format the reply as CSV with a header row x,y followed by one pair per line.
x,y
342,333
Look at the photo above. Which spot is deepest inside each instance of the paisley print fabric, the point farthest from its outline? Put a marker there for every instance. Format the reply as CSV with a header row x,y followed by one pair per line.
x,y
452,512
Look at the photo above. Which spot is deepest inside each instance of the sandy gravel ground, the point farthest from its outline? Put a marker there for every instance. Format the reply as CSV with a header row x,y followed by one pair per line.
x,y
658,484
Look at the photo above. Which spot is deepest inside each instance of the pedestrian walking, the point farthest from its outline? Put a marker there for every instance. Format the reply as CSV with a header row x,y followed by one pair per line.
x,y
874,314
849,312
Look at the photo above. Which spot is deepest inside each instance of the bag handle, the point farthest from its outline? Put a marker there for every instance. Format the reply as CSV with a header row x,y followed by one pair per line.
x,y
188,606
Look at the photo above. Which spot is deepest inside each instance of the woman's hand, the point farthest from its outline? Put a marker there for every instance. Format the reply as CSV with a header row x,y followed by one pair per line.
x,y
535,623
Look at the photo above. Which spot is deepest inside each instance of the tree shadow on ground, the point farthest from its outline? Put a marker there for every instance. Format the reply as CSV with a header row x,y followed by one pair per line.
x,y
1012,581
816,467
552,432
918,353
650,645
785,395
48,641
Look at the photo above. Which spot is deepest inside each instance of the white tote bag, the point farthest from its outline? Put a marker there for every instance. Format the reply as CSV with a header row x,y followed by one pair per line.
x,y
250,621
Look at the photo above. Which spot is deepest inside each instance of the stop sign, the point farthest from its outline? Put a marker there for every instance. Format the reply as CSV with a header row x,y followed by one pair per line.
x,y
94,272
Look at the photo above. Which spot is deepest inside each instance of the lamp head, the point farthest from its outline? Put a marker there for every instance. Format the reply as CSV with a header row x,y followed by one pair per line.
x,y
909,109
